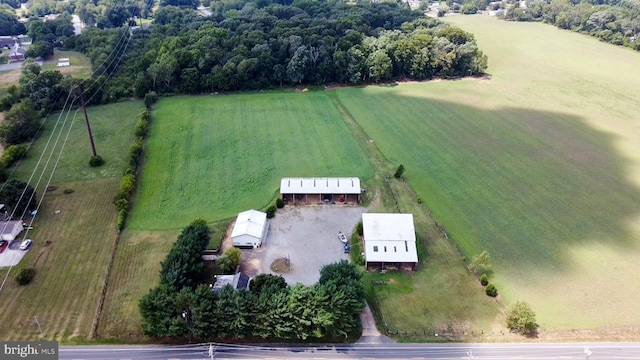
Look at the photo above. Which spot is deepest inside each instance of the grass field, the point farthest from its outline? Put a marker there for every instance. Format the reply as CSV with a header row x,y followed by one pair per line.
x,y
225,154
538,165
71,269
112,128
80,65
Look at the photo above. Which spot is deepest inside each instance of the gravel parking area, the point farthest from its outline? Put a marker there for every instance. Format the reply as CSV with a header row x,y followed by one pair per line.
x,y
308,236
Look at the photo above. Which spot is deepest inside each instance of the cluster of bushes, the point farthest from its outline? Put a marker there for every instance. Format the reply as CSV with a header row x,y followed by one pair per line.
x,y
480,265
128,182
328,310
12,154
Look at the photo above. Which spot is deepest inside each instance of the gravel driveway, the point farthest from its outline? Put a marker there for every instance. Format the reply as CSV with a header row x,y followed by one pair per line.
x,y
308,236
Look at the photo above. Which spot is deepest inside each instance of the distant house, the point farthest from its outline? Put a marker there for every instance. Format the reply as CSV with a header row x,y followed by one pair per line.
x,y
389,241
9,230
320,190
63,62
250,229
18,53
238,281
7,41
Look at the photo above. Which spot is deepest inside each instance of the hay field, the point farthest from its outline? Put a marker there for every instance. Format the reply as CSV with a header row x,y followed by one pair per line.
x,y
214,156
539,165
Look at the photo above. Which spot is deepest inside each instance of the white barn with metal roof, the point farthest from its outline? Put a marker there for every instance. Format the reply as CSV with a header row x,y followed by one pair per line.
x,y
250,229
389,241
311,190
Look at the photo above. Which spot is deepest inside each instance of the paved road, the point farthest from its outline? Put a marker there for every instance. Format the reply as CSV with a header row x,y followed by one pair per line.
x,y
597,351
15,65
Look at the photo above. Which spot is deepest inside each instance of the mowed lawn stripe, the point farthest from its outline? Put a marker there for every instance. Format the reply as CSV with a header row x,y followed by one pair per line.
x,y
526,171
64,293
213,156
112,127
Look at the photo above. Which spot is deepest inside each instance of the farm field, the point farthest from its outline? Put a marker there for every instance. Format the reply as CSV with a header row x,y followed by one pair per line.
x,y
112,127
225,154
538,165
71,267
80,64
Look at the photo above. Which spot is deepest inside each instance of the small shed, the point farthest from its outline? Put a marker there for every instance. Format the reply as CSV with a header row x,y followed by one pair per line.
x,y
250,229
64,62
9,230
239,281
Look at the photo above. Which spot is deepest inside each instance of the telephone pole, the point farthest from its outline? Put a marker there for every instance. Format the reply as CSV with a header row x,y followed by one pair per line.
x,y
86,119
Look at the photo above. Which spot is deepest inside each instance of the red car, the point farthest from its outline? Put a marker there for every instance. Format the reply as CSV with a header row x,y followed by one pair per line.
x,y
3,245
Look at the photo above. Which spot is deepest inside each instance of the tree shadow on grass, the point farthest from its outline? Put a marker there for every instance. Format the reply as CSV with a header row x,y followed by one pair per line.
x,y
520,183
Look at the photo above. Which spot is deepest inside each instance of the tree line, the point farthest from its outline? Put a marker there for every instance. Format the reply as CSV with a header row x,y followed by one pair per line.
x,y
247,45
184,307
613,21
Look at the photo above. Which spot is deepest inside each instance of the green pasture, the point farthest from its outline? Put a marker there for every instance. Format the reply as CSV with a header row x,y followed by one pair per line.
x,y
538,165
72,248
112,128
71,251
79,64
213,156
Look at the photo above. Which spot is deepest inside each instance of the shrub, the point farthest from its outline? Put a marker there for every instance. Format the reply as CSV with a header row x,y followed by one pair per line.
x,y
271,211
96,161
127,184
145,115
141,128
491,290
484,280
150,98
279,203
399,172
122,218
25,276
228,261
521,318
480,263
135,151
120,202
13,153
359,228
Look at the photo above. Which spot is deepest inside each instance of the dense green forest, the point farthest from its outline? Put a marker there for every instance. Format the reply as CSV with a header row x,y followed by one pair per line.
x,y
258,45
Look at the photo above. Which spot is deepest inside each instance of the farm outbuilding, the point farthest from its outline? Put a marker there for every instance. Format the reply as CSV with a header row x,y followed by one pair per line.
x,y
320,190
389,241
63,62
9,230
239,281
250,229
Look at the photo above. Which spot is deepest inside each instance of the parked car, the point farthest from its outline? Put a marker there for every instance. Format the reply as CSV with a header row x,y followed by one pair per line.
x,y
346,248
26,244
3,245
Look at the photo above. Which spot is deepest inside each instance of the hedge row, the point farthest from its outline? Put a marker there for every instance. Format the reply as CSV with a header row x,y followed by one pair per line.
x,y
128,182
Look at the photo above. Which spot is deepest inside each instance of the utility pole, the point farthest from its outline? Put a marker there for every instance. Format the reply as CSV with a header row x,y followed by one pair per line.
x,y
86,119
